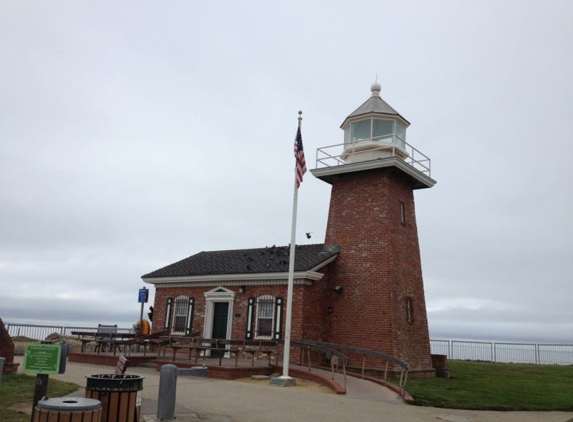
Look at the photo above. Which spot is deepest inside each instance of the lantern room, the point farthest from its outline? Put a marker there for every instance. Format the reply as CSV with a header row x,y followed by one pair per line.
x,y
374,130
374,137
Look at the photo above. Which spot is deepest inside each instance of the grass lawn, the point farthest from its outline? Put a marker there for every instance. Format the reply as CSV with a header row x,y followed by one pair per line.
x,y
16,389
497,386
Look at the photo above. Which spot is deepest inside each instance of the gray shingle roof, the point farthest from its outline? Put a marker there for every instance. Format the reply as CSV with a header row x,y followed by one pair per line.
x,y
245,261
375,105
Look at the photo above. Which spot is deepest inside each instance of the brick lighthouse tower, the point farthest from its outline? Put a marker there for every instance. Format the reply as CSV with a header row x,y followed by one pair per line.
x,y
376,286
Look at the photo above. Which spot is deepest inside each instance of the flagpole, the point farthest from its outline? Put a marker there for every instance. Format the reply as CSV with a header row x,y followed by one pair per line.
x,y
286,353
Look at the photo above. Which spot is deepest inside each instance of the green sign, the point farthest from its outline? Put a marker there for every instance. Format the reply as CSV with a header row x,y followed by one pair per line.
x,y
42,358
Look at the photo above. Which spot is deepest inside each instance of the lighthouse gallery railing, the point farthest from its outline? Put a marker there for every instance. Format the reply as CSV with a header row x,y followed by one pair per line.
x,y
331,156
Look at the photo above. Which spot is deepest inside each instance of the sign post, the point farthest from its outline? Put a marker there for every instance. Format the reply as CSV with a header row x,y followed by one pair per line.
x,y
42,360
143,298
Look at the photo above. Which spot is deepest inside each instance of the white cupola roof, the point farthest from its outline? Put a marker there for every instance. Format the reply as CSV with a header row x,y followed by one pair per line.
x,y
375,106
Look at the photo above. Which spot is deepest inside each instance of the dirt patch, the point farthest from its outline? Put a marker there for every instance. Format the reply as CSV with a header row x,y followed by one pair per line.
x,y
22,407
300,384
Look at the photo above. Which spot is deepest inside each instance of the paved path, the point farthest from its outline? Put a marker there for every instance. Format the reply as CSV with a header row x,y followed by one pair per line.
x,y
216,400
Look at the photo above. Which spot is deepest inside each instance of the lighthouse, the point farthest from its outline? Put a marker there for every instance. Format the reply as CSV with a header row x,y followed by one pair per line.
x,y
379,303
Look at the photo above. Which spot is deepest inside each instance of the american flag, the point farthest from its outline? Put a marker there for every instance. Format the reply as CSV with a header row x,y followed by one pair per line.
x,y
299,156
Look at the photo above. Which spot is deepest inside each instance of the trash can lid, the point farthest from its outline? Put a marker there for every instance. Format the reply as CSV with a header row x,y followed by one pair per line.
x,y
116,377
69,403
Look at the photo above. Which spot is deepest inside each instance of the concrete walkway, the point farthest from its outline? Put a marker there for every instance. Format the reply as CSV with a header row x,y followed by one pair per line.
x,y
217,400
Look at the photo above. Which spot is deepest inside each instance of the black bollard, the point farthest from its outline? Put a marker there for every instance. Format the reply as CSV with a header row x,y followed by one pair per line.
x,y
167,390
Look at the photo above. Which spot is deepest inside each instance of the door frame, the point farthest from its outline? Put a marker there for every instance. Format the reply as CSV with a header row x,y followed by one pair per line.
x,y
218,294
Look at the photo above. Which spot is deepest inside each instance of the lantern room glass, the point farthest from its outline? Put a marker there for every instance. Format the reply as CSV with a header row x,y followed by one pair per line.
x,y
383,130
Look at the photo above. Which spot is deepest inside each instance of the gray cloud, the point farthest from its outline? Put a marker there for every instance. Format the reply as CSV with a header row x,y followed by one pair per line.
x,y
133,135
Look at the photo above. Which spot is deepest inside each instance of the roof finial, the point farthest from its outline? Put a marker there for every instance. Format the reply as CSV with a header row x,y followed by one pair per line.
x,y
375,88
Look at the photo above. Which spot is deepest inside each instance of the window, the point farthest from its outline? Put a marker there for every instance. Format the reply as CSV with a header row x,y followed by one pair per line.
x,y
402,214
182,315
347,136
401,135
382,130
409,311
265,316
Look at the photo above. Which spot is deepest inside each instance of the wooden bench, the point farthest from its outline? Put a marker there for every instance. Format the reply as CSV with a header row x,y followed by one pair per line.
x,y
199,347
217,348
85,337
143,340
248,347
190,343
160,343
260,347
204,345
233,347
121,365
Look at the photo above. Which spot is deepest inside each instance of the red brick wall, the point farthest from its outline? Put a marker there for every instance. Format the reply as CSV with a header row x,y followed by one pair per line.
x,y
308,314
379,266
310,311
198,293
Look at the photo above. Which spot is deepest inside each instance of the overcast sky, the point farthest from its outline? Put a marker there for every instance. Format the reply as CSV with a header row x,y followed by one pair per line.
x,y
134,134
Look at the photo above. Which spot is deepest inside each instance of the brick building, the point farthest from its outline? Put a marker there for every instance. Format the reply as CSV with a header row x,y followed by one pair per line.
x,y
363,287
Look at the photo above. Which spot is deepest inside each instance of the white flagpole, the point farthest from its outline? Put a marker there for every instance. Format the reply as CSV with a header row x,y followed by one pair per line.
x,y
286,353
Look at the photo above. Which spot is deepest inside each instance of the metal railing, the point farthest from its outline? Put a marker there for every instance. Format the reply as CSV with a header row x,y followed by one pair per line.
x,y
23,334
365,352
334,155
340,357
505,352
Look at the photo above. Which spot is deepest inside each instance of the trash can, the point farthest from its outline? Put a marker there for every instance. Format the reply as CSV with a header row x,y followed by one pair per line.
x,y
68,409
120,396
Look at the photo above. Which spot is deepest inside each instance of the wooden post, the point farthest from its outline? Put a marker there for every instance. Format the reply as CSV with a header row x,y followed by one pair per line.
x,y
40,390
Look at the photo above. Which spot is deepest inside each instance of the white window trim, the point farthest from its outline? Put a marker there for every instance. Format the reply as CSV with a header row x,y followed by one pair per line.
x,y
273,300
176,300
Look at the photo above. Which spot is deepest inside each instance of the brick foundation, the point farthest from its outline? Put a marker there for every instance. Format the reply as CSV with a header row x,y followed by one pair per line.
x,y
440,364
7,351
